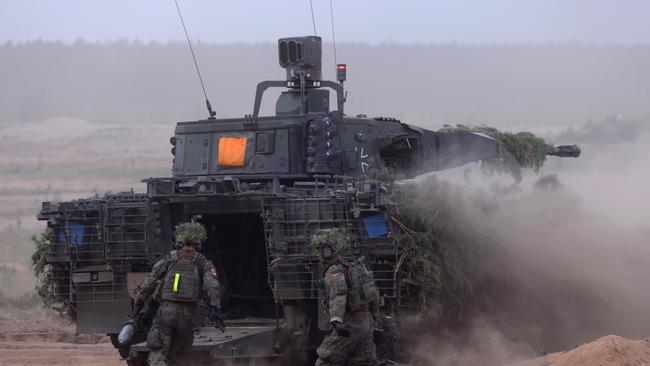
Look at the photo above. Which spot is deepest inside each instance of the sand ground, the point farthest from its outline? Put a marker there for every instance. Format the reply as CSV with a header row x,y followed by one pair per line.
x,y
54,354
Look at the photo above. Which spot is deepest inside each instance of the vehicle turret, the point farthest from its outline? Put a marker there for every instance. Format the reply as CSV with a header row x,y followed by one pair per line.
x,y
304,138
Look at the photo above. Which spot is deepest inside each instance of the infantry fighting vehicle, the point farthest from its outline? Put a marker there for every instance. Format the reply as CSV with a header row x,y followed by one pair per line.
x,y
262,186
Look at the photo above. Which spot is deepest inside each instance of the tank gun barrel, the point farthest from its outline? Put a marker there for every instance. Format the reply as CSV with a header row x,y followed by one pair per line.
x,y
565,151
412,151
454,149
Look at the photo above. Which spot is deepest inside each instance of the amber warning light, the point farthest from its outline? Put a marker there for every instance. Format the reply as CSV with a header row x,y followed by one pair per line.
x,y
341,71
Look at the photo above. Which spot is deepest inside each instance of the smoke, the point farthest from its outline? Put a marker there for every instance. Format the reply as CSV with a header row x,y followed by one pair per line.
x,y
611,130
544,268
482,344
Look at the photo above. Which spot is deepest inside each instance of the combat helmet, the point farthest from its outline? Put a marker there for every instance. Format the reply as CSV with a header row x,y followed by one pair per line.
x,y
330,242
190,232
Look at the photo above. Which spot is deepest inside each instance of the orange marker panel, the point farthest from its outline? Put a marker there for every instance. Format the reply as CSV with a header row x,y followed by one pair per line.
x,y
232,151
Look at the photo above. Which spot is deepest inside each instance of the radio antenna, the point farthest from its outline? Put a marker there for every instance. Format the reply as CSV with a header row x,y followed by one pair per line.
x,y
313,20
198,72
333,34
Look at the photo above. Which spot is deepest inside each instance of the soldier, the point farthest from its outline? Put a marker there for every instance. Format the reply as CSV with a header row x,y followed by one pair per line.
x,y
349,306
178,282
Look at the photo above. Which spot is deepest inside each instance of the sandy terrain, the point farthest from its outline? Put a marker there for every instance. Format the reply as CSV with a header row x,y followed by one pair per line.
x,y
606,351
52,341
46,353
610,350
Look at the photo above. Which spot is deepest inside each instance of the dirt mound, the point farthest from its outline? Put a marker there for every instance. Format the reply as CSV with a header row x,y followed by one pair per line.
x,y
610,350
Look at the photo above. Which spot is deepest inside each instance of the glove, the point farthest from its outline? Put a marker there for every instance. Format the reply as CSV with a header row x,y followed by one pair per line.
x,y
139,302
341,331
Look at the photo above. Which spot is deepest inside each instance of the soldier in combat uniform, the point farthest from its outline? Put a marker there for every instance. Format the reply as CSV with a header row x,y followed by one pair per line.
x,y
351,339
178,282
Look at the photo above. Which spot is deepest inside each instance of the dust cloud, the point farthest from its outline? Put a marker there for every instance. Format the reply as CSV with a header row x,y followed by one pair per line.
x,y
549,266
544,269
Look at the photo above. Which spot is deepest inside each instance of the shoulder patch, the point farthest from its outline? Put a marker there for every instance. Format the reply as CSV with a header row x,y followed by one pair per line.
x,y
341,286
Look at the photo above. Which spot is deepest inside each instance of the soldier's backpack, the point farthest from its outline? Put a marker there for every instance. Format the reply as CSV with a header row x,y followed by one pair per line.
x,y
362,288
182,281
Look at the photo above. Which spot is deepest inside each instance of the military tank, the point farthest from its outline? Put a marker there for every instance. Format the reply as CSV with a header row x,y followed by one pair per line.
x,y
262,186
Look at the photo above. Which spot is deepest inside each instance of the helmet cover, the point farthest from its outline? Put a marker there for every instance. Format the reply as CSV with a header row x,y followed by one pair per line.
x,y
337,239
190,232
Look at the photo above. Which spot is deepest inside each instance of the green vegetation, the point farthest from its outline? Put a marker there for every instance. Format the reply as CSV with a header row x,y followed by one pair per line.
x,y
517,151
44,290
39,259
441,249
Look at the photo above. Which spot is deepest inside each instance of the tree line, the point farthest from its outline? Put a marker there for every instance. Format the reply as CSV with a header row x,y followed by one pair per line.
x,y
499,85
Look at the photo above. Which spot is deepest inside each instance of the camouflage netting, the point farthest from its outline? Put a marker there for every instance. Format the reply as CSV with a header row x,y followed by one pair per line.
x,y
44,286
517,151
441,249
39,256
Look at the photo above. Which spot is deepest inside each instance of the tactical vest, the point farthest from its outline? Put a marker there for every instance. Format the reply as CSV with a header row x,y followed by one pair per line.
x,y
182,281
361,287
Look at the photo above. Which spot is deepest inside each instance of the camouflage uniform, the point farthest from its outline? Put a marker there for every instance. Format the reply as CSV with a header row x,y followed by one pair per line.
x,y
172,331
358,348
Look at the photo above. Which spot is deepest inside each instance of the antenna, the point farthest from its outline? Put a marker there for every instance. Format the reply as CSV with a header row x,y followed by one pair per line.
x,y
341,69
198,72
313,20
333,35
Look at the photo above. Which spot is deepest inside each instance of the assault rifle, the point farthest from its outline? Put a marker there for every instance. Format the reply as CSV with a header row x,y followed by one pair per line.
x,y
213,316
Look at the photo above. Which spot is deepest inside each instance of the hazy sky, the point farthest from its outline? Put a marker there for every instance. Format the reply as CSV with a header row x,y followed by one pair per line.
x,y
375,21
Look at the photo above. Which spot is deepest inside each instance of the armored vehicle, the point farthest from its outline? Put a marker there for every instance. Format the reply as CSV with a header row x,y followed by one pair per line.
x,y
262,186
